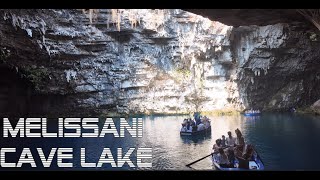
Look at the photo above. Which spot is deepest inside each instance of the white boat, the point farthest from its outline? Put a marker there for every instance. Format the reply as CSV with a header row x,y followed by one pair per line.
x,y
192,133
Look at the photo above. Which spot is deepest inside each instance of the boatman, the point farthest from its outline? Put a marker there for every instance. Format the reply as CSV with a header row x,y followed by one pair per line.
x,y
197,118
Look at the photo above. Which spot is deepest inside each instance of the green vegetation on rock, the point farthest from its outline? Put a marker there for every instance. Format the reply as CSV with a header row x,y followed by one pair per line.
x,y
36,76
180,75
220,112
307,110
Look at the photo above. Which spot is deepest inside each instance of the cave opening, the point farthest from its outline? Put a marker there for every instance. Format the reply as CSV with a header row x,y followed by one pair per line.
x,y
15,93
18,97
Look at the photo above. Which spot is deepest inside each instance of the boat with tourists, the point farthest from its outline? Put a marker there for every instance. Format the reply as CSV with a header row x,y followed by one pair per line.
x,y
196,132
252,112
197,126
233,153
240,164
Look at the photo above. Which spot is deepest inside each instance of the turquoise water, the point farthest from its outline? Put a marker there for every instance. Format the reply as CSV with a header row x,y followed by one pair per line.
x,y
284,142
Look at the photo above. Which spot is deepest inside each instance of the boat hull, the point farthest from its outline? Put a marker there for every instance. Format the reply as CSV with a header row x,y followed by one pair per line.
x,y
254,165
252,114
202,132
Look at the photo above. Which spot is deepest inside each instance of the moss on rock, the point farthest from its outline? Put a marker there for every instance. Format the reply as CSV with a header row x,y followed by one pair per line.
x,y
37,76
221,112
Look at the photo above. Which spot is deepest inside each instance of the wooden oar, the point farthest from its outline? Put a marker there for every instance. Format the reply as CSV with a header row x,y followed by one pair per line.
x,y
203,157
198,160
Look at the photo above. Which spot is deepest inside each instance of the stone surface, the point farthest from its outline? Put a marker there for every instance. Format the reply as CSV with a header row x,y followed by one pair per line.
x,y
175,62
247,17
277,66
316,107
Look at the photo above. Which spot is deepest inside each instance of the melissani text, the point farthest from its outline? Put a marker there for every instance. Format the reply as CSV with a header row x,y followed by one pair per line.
x,y
116,157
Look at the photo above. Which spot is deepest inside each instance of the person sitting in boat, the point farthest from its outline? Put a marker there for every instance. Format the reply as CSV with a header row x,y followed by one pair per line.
x,y
230,140
216,146
192,122
204,118
206,121
245,157
201,120
222,159
239,140
207,124
239,143
184,126
194,127
201,127
238,151
243,163
223,141
189,121
188,125
185,121
231,157
249,151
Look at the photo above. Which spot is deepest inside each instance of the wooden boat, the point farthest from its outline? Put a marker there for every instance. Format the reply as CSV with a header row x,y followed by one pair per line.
x,y
254,164
193,133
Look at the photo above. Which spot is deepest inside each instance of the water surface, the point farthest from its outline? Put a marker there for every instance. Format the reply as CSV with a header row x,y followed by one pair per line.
x,y
284,142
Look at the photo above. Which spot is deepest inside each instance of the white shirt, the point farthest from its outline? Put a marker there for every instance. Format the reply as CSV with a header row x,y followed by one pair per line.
x,y
230,141
200,127
207,124
183,129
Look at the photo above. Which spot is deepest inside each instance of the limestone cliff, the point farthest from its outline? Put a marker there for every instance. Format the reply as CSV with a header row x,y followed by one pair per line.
x,y
170,61
277,65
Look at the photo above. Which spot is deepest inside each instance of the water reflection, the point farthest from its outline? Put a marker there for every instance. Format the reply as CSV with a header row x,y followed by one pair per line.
x,y
222,124
196,138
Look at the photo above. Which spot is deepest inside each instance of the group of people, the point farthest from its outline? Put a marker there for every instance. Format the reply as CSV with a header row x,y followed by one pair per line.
x,y
198,124
252,111
226,150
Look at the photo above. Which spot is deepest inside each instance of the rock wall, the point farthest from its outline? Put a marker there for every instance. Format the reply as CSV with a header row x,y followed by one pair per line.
x,y
248,17
170,62
277,65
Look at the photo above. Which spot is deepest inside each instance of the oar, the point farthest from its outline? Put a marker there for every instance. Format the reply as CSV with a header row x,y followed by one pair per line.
x,y
198,160
203,157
